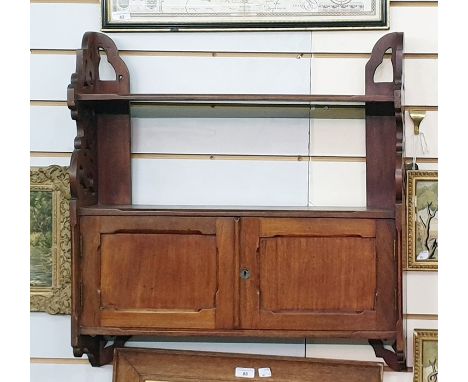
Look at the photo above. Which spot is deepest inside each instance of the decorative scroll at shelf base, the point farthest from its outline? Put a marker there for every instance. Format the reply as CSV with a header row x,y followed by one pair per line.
x,y
394,359
95,348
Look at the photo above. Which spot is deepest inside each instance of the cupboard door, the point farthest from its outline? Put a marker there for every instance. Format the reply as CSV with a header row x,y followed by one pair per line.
x,y
317,274
158,272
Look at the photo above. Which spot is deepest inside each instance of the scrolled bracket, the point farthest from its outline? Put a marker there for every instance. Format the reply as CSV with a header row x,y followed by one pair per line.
x,y
83,177
83,165
95,348
394,359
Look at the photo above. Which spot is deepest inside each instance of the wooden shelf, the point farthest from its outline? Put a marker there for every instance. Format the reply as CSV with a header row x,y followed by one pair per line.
x,y
240,211
357,335
237,98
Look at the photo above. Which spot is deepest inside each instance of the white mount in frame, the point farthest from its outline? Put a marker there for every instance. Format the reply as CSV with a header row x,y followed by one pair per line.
x,y
190,15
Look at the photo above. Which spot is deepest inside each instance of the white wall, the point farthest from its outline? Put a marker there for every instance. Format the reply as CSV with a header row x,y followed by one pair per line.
x,y
302,159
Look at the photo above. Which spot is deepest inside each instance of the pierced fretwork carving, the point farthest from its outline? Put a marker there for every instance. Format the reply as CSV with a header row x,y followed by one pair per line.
x,y
86,79
393,41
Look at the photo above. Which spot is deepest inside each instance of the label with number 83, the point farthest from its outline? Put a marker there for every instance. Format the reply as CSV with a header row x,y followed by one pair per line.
x,y
245,372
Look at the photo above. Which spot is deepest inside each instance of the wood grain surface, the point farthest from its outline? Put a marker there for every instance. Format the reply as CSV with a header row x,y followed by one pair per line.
x,y
132,365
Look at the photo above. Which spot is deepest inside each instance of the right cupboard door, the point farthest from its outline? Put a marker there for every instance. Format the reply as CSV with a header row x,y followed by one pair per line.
x,y
318,274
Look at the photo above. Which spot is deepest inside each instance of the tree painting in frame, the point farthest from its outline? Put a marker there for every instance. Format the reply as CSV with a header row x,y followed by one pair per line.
x,y
426,363
50,240
423,216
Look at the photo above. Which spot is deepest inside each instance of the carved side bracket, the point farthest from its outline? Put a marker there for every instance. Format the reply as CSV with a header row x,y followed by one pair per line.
x,y
83,167
393,41
384,130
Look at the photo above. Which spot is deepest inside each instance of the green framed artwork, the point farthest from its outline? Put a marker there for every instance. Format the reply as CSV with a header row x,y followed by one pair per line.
x,y
426,365
422,212
50,240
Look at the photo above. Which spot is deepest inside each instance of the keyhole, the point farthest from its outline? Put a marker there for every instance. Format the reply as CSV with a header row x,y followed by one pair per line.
x,y
245,274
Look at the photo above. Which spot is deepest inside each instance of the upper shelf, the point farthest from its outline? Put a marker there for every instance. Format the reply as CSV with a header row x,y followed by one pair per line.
x,y
289,99
86,85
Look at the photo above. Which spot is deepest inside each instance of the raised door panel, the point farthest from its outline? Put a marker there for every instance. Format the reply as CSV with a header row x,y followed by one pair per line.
x,y
160,273
157,273
318,274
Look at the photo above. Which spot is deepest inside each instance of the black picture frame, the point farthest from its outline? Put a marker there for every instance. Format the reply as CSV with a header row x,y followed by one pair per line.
x,y
175,25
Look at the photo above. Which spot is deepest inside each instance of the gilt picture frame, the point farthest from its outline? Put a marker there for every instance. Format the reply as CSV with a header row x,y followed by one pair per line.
x,y
422,220
425,355
242,15
50,240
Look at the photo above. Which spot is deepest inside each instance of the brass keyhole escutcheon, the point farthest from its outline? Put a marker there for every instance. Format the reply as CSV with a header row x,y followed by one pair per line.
x,y
245,274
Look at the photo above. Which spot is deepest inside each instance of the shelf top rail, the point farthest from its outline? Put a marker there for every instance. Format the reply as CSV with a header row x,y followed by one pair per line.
x,y
238,98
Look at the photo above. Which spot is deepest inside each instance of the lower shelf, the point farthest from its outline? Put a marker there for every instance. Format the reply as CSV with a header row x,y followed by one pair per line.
x,y
381,335
238,211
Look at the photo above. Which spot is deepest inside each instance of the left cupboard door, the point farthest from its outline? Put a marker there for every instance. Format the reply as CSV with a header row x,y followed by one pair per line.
x,y
157,272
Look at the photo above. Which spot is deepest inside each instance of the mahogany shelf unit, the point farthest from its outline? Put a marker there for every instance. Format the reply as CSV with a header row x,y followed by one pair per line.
x,y
230,271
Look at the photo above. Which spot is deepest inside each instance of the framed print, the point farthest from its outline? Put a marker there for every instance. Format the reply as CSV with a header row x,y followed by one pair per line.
x,y
199,15
158,365
50,240
422,213
425,355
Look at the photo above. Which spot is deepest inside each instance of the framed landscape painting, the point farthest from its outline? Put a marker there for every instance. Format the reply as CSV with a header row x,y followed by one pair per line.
x,y
206,15
426,365
423,216
50,240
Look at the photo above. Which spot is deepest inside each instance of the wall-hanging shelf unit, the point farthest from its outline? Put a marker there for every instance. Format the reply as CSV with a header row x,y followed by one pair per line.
x,y
230,271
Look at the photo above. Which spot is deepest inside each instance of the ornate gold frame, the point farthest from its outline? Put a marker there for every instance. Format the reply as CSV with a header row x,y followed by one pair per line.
x,y
421,335
413,177
55,299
